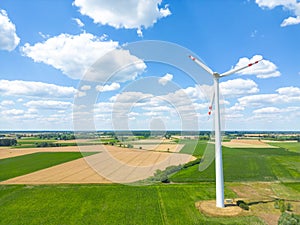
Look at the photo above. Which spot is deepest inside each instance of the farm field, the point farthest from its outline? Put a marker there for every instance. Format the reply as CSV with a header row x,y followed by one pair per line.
x,y
20,165
110,204
247,143
121,165
266,174
291,146
7,152
247,164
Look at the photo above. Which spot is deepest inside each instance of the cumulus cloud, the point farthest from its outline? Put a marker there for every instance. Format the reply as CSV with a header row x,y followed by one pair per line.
x,y
85,87
165,79
37,89
130,97
290,21
116,66
132,14
259,100
78,22
289,91
238,87
276,110
291,5
284,95
108,87
74,55
263,69
8,37
12,112
7,103
49,104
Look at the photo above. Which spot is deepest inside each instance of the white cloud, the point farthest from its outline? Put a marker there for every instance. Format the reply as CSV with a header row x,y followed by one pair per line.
x,y
290,21
72,54
139,32
291,5
263,69
85,87
8,37
7,103
49,104
37,89
165,79
259,100
238,87
78,22
130,97
276,110
284,95
44,36
116,66
131,14
289,91
274,3
75,55
108,87
12,112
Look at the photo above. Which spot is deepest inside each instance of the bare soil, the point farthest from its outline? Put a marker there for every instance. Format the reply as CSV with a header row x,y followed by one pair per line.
x,y
246,143
209,208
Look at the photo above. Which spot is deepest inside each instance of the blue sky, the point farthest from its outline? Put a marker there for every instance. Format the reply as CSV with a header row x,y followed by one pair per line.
x,y
88,63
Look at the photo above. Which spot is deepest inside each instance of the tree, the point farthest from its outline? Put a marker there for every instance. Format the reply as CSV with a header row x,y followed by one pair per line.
x,y
7,142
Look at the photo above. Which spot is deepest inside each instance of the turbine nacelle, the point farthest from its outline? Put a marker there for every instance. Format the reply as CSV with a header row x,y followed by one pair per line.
x,y
216,75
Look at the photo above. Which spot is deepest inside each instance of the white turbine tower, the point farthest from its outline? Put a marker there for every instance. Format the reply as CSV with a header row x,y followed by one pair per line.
x,y
218,144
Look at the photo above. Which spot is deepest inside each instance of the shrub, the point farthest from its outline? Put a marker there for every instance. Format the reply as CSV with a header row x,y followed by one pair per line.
x,y
192,163
276,204
289,207
242,204
282,206
288,219
46,144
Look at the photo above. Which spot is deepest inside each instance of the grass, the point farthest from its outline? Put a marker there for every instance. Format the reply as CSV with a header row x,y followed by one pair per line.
x,y
110,204
242,164
193,147
291,146
20,165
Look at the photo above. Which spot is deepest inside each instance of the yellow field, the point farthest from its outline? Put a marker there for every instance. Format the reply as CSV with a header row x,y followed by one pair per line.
x,y
246,143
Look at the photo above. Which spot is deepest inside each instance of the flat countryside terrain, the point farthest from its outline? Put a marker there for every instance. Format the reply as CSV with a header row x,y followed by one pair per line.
x,y
270,172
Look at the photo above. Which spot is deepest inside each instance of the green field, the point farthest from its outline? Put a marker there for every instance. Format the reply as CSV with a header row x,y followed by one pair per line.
x,y
242,164
193,147
291,146
20,165
110,204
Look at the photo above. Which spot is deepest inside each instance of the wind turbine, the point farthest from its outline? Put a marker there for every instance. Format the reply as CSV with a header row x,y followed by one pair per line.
x,y
218,144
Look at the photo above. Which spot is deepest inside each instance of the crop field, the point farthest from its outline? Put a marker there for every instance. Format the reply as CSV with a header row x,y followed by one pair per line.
x,y
250,173
291,146
20,165
193,147
247,164
110,204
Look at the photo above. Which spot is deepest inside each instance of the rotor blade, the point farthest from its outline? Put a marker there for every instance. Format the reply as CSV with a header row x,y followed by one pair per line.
x,y
211,104
205,67
239,69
